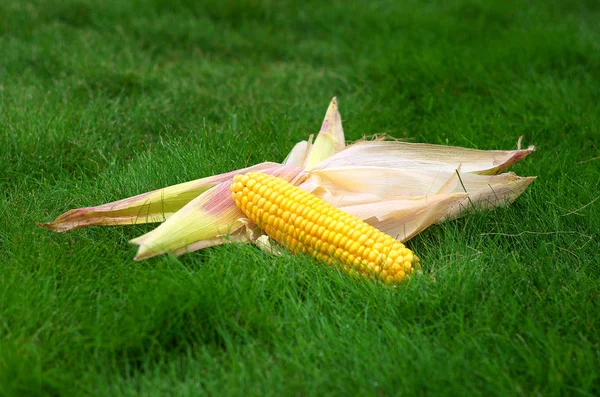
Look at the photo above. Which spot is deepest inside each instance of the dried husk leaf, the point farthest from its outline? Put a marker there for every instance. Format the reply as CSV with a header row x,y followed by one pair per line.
x,y
406,217
404,155
154,206
499,193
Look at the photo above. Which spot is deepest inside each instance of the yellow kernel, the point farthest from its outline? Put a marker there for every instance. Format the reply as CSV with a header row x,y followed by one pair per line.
x,y
321,219
294,207
343,242
237,186
298,221
303,224
278,199
304,211
284,203
338,253
360,251
251,183
336,239
386,250
276,222
331,235
393,254
321,231
285,216
261,203
349,257
400,276
348,244
305,240
387,262
266,205
261,190
311,215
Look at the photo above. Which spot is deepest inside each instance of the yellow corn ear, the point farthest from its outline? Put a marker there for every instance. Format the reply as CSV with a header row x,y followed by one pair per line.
x,y
302,222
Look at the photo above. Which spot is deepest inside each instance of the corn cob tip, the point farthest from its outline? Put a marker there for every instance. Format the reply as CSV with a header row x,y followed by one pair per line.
x,y
304,223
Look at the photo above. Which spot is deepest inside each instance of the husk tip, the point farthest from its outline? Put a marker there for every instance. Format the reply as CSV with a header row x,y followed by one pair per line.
x,y
54,226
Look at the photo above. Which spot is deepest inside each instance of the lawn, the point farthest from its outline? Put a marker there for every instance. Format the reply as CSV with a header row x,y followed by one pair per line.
x,y
104,99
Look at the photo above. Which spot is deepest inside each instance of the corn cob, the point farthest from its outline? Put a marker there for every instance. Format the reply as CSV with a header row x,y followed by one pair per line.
x,y
304,223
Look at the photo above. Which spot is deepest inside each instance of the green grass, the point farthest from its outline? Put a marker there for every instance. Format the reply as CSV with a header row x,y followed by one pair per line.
x,y
100,100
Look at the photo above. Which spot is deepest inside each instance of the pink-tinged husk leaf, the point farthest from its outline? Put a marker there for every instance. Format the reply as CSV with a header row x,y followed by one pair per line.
x,y
405,218
330,139
210,219
498,194
404,155
154,206
200,224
